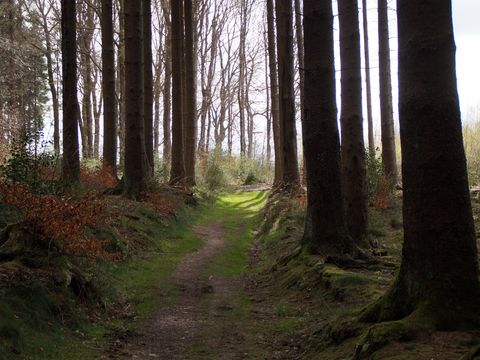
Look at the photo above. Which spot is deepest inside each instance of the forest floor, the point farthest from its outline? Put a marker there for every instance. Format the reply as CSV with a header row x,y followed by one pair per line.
x,y
225,279
210,315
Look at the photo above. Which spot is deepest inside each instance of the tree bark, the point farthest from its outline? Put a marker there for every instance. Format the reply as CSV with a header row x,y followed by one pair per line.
x,y
108,83
51,84
177,172
389,157
368,82
272,62
351,120
325,228
148,82
288,132
191,95
167,87
438,282
71,156
136,167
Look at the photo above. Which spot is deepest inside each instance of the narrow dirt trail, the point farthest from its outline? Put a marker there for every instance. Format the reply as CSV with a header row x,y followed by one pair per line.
x,y
180,331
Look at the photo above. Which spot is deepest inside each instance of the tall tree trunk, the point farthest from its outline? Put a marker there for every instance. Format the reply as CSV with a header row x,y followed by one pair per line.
x,y
438,281
148,82
136,167
325,227
71,156
389,157
167,87
52,86
242,77
272,62
268,112
191,95
368,83
121,76
301,54
177,172
351,119
108,83
288,132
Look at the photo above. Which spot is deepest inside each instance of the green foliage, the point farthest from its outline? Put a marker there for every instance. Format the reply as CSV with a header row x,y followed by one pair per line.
x,y
217,171
471,136
26,166
162,171
374,172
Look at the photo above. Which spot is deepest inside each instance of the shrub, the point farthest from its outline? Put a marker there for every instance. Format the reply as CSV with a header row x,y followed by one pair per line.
x,y
214,176
97,176
374,172
61,220
24,165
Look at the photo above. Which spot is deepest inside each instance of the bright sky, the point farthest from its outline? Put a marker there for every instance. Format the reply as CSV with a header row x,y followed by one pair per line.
x,y
467,34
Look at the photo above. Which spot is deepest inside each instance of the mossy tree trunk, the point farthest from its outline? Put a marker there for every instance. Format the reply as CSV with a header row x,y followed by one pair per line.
x,y
438,280
325,229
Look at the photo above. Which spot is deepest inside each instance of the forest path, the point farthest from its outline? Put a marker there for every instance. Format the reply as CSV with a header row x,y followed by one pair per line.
x,y
209,316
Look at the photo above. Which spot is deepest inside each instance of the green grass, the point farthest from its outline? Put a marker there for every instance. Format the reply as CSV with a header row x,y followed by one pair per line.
x,y
36,323
238,212
139,280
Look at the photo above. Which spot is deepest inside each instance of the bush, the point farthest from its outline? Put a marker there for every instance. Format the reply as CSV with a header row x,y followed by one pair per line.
x,y
24,165
97,176
61,220
214,176
374,172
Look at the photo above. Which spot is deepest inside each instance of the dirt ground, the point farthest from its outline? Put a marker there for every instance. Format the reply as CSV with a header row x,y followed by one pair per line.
x,y
176,331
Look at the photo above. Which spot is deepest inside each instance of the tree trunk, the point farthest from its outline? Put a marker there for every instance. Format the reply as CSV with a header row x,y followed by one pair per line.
x,y
167,87
148,82
242,76
108,83
136,167
325,229
177,172
191,96
351,120
438,281
368,83
288,132
71,156
123,92
52,86
389,157
272,62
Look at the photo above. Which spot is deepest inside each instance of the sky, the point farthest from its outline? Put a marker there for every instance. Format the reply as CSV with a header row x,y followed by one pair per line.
x,y
466,15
